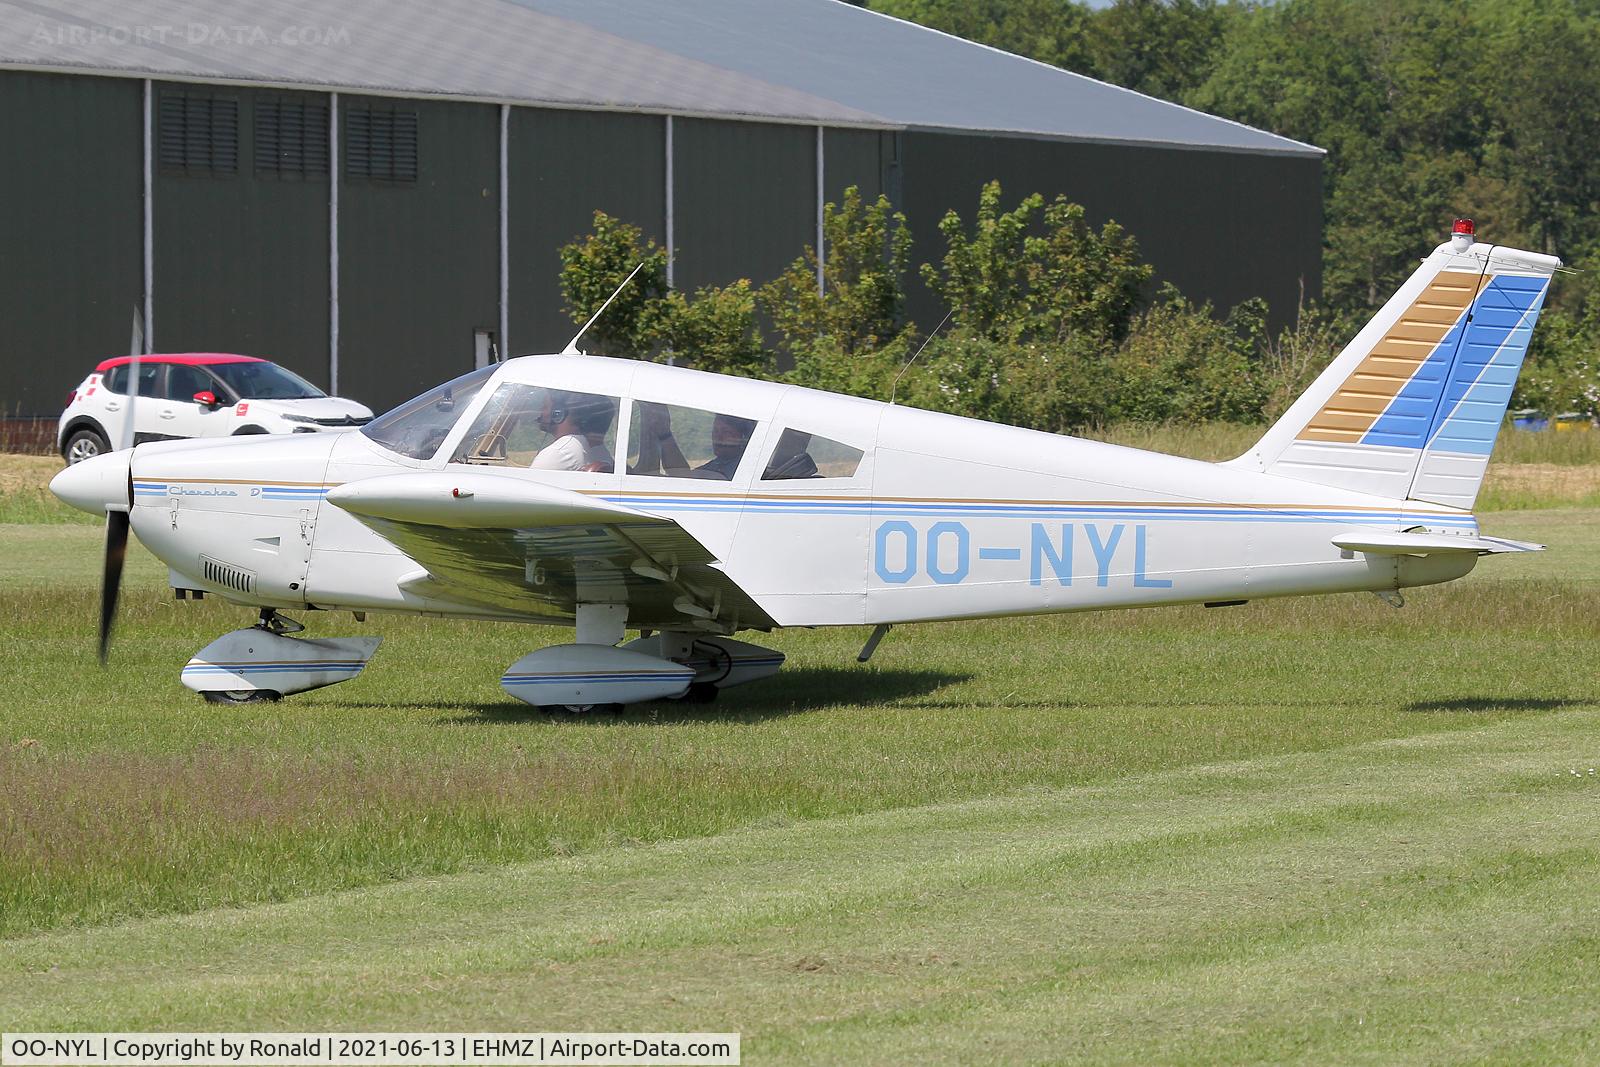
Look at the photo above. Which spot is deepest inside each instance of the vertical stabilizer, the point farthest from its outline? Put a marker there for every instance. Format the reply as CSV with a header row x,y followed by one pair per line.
x,y
1411,407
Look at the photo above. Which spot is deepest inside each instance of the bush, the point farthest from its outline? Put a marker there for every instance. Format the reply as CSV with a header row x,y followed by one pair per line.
x,y
716,330
1057,386
858,308
1180,362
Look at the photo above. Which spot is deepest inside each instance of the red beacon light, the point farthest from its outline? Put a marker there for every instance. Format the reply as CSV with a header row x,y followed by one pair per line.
x,y
1464,226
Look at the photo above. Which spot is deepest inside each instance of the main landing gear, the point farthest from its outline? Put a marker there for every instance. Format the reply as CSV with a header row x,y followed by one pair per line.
x,y
594,674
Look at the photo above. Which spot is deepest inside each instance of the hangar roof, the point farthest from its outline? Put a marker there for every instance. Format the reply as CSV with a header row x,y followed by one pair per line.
x,y
820,62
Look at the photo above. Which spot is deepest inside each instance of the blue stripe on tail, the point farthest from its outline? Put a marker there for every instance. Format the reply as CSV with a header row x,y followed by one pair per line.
x,y
1486,369
1457,397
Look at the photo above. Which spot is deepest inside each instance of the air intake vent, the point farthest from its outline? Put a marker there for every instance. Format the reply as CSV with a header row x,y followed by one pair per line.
x,y
227,575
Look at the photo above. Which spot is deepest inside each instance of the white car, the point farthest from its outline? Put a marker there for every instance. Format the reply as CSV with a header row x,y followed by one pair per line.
x,y
196,394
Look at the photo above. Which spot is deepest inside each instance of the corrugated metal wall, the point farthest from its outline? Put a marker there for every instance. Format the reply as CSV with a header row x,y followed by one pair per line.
x,y
565,166
746,202
1221,226
419,262
862,158
242,259
70,259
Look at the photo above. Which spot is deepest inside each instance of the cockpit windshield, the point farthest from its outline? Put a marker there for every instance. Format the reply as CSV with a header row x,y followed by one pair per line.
x,y
418,427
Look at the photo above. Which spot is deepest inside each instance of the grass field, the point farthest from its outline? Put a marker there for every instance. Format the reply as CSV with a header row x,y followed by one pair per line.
x,y
1317,830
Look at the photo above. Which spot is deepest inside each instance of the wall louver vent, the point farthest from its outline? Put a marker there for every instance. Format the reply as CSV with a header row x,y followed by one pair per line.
x,y
380,145
291,137
199,134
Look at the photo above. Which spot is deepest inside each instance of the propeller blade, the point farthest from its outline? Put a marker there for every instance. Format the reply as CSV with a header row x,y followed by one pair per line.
x,y
111,581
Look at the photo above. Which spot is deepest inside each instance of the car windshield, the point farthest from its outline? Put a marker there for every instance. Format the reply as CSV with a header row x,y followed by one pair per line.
x,y
418,427
264,381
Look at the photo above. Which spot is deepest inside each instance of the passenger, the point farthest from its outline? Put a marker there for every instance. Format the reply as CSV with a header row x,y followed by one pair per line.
x,y
729,438
659,450
579,423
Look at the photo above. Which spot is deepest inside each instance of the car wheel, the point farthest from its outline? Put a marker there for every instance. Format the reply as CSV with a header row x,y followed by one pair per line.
x,y
245,431
241,696
580,709
85,444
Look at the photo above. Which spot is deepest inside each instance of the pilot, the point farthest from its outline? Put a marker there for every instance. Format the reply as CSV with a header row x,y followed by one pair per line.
x,y
579,423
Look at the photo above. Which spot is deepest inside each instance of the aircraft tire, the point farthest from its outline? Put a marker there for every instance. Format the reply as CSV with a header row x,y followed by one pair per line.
x,y
699,693
242,696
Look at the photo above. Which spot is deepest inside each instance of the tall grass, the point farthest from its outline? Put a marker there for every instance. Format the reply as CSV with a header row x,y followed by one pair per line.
x,y
125,795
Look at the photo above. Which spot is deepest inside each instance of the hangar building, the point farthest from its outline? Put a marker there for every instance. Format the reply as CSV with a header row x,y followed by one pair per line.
x,y
370,193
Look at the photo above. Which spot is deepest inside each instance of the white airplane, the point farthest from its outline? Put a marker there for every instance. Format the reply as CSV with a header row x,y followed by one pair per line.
x,y
620,495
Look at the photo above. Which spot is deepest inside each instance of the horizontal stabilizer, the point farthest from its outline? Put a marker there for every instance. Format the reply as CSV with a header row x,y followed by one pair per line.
x,y
474,500
1401,543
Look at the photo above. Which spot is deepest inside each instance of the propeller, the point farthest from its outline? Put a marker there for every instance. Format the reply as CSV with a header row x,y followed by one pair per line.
x,y
103,485
111,581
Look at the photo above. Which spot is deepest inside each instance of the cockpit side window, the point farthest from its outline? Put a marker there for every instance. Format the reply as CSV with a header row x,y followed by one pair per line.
x,y
546,429
669,441
419,426
808,455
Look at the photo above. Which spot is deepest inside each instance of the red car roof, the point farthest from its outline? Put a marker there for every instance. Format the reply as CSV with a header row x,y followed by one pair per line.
x,y
190,358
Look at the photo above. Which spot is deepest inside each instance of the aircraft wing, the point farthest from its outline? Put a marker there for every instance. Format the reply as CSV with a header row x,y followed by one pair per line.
x,y
520,546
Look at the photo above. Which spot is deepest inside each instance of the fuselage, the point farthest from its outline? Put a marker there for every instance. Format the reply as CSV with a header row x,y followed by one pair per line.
x,y
927,516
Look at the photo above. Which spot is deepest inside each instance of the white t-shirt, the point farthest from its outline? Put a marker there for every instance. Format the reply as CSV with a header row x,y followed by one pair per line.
x,y
571,453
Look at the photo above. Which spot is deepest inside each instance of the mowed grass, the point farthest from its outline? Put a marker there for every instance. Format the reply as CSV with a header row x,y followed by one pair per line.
x,y
1316,829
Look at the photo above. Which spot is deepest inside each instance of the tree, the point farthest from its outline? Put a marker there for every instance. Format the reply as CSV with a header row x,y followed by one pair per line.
x,y
1047,30
716,330
1159,47
866,248
1037,272
591,269
983,278
1082,282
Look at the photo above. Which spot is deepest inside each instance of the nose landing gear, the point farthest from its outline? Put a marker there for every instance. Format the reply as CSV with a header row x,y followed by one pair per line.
x,y
261,663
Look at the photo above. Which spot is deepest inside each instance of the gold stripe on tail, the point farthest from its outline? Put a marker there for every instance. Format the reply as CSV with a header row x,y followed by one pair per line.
x,y
1350,412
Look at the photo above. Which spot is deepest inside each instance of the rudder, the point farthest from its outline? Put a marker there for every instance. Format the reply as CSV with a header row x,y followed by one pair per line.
x,y
1411,407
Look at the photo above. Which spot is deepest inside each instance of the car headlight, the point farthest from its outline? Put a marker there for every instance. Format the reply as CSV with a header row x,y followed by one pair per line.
x,y
297,418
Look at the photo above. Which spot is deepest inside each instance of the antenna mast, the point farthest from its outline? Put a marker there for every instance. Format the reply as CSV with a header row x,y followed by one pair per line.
x,y
572,345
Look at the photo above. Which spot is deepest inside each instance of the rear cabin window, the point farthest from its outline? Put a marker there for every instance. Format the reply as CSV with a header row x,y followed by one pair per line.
x,y
116,379
807,455
545,429
669,441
